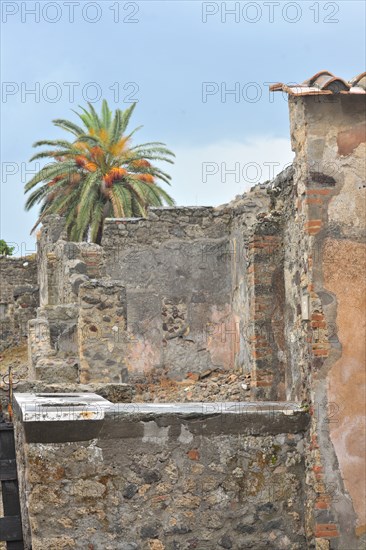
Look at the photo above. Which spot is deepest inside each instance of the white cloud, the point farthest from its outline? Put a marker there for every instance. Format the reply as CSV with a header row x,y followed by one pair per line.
x,y
215,173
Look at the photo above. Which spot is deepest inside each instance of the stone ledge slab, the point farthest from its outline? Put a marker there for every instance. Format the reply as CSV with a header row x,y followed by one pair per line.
x,y
48,418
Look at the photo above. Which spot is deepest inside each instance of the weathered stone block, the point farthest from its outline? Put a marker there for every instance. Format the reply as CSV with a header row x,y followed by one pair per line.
x,y
102,332
53,371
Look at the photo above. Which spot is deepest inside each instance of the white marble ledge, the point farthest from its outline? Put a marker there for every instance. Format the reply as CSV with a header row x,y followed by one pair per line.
x,y
42,407
46,407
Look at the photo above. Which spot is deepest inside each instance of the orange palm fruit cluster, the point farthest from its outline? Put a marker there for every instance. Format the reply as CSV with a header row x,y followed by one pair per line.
x,y
81,160
147,178
141,163
113,175
96,152
84,162
91,166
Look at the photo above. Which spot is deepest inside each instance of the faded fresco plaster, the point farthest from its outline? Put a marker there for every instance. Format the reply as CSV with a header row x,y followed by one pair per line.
x,y
344,275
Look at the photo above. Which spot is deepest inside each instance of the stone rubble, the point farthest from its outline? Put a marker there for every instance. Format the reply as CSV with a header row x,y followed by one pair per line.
x,y
211,385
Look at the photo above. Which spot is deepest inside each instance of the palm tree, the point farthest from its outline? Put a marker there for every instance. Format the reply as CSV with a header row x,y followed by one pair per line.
x,y
98,174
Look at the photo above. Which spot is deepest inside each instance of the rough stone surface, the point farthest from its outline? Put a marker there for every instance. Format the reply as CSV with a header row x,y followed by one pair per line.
x,y
269,287
210,386
325,251
169,480
102,331
18,298
178,288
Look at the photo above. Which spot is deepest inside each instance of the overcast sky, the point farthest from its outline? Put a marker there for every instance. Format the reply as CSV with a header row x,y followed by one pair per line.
x,y
199,71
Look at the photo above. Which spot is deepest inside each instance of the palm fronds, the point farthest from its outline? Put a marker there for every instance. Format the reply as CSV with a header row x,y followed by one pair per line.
x,y
98,173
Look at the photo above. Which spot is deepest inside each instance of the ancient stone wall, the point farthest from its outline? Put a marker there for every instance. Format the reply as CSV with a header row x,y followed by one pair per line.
x,y
178,288
18,298
188,278
52,230
63,267
325,253
272,283
196,296
267,287
103,339
258,291
206,476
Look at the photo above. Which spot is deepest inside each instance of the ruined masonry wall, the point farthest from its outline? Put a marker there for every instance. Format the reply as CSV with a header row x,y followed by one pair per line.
x,y
148,478
325,260
193,301
272,283
199,284
18,299
178,288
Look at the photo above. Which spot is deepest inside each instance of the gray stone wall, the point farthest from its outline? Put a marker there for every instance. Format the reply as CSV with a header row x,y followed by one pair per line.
x,y
244,211
103,339
52,231
222,475
272,283
63,266
185,273
189,293
18,298
178,288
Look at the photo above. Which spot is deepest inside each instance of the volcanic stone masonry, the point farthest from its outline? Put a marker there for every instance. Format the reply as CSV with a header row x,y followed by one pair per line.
x,y
179,477
18,299
272,285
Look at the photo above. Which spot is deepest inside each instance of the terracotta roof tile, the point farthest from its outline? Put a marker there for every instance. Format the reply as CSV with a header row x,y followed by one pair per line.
x,y
324,83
